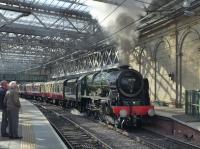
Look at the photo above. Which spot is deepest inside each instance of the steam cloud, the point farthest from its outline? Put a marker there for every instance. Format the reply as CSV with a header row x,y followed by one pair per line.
x,y
126,39
129,12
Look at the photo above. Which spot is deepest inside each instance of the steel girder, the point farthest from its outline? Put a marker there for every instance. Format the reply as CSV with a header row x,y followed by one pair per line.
x,y
31,51
41,31
102,59
17,49
23,77
32,41
108,2
76,21
28,39
29,8
25,45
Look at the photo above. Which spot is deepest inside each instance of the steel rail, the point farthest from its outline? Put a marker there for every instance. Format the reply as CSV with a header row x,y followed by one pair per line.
x,y
75,125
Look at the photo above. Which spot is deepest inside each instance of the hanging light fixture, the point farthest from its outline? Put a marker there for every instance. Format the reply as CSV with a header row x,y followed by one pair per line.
x,y
186,3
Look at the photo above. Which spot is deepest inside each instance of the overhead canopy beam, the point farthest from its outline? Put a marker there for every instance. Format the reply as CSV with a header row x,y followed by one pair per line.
x,y
40,31
18,6
10,22
50,43
108,2
73,2
23,77
49,32
20,61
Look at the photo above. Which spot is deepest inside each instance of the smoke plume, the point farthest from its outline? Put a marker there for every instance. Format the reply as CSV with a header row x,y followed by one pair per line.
x,y
126,39
126,14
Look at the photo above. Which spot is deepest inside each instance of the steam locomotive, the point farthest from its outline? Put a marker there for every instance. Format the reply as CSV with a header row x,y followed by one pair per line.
x,y
119,96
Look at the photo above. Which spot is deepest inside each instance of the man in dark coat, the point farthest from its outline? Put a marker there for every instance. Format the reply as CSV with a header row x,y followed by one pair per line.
x,y
13,105
4,123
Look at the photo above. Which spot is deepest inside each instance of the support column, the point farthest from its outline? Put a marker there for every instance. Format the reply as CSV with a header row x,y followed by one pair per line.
x,y
180,76
155,81
177,68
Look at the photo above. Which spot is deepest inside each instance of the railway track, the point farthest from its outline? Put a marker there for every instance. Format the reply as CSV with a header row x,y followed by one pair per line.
x,y
143,136
74,136
155,140
158,141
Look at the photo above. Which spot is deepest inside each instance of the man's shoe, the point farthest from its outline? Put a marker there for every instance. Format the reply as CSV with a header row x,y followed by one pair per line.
x,y
5,135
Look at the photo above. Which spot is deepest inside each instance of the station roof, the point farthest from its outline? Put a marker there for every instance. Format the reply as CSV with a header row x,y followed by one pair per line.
x,y
34,32
160,13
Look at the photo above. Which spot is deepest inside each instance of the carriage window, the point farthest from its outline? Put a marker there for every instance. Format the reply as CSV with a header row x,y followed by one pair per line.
x,y
70,89
60,87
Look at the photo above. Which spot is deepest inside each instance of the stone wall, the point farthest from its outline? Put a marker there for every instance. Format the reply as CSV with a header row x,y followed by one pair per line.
x,y
156,59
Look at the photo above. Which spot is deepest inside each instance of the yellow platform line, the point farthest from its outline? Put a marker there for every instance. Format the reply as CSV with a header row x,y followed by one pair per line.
x,y
28,141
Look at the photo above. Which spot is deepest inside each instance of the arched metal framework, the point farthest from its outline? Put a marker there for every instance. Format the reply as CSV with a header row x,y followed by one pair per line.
x,y
105,58
34,32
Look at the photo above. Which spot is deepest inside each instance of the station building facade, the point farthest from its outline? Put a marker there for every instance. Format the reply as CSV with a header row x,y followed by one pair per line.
x,y
168,54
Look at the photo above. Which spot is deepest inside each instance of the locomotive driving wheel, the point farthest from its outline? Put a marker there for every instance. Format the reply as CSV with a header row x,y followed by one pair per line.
x,y
106,114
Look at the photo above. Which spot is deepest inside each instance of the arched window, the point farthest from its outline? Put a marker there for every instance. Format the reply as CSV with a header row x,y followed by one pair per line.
x,y
190,60
163,69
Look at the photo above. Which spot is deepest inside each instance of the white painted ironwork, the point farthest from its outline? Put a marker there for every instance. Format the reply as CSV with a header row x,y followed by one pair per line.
x,y
34,32
105,58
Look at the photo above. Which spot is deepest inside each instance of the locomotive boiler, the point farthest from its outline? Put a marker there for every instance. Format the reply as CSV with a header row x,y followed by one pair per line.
x,y
118,96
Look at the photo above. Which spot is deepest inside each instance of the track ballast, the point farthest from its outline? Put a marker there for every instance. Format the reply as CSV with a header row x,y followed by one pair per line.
x,y
78,137
74,136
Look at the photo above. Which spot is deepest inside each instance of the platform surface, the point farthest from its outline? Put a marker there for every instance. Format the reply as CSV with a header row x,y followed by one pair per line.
x,y
36,131
178,114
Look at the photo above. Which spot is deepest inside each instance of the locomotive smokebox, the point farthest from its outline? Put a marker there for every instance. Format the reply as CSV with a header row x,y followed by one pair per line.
x,y
124,67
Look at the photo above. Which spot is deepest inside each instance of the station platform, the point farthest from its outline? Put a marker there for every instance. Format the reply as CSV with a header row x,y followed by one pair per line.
x,y
178,115
35,129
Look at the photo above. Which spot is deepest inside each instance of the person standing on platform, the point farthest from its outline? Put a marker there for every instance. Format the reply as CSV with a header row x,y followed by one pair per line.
x,y
13,105
4,122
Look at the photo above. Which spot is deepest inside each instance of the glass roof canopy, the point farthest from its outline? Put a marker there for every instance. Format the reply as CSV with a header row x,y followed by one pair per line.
x,y
33,32
62,4
46,20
